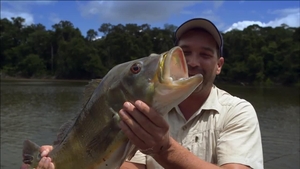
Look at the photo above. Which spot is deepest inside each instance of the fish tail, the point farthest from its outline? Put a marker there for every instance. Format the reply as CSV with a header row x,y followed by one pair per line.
x,y
31,153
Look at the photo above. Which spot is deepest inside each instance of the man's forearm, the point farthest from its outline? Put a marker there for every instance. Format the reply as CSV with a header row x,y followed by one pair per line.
x,y
179,157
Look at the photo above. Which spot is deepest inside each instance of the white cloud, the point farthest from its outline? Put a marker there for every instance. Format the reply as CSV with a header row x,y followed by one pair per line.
x,y
29,19
15,9
42,2
208,14
284,12
186,12
54,18
133,11
24,5
211,15
290,16
218,4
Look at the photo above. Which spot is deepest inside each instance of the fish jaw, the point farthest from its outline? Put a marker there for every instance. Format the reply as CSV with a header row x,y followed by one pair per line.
x,y
173,84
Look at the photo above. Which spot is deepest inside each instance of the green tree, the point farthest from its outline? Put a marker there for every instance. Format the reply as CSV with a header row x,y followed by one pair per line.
x,y
255,55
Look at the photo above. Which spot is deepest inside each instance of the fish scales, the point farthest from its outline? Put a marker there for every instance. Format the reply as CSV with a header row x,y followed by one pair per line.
x,y
93,139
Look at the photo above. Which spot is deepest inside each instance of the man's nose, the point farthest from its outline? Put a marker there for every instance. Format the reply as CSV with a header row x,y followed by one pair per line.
x,y
193,61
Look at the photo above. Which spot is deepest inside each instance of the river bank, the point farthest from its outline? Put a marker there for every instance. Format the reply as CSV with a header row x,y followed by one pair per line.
x,y
54,79
46,79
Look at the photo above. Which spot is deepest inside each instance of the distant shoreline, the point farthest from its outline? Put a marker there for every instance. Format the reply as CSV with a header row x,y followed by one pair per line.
x,y
42,79
53,79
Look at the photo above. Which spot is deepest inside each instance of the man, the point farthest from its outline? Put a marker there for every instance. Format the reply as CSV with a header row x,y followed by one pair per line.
x,y
210,129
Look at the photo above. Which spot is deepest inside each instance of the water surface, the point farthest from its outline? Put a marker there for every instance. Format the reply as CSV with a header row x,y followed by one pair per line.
x,y
36,109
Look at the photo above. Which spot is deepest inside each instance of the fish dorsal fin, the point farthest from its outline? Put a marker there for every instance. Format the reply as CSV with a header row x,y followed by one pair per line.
x,y
89,89
63,131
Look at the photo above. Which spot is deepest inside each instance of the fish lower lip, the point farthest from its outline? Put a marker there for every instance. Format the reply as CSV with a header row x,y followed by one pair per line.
x,y
193,74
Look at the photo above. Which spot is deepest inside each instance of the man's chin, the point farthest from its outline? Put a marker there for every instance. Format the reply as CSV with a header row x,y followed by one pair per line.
x,y
198,89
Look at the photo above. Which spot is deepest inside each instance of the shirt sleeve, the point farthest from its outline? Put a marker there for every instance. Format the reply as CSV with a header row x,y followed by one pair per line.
x,y
240,139
139,158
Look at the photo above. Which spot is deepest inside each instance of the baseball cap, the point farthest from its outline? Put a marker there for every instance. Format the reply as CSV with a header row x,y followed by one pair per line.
x,y
200,23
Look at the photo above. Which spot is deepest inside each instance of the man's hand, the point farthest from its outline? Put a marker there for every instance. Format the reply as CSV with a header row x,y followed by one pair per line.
x,y
45,162
145,127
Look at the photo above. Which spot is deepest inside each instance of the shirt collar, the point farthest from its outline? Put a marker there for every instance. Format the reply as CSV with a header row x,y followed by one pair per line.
x,y
211,103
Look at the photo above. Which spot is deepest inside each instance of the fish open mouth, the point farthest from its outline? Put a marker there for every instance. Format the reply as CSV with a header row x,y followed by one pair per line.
x,y
174,67
174,82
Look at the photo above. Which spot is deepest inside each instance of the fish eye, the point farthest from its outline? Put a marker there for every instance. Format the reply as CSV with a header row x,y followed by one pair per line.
x,y
135,68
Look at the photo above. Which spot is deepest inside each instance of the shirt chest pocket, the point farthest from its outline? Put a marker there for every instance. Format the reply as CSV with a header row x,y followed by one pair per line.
x,y
202,144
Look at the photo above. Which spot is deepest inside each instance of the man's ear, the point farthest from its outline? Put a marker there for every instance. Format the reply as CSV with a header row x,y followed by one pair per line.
x,y
220,65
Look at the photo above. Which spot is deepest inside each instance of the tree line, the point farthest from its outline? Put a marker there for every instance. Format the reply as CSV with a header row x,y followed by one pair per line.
x,y
255,55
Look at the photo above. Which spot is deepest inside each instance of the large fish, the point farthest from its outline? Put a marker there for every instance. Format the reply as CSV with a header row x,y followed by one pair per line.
x,y
93,139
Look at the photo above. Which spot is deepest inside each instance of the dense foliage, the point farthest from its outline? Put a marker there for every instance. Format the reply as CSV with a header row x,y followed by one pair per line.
x,y
256,55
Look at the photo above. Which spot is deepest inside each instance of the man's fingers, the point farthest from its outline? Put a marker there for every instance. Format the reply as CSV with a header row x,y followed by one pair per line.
x,y
144,126
151,114
133,128
131,136
45,150
41,164
46,147
45,163
141,119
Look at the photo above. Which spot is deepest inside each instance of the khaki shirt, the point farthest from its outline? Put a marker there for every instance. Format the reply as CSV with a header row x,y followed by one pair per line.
x,y
224,130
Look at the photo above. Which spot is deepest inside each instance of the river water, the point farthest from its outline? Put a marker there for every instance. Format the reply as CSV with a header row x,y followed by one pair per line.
x,y
36,109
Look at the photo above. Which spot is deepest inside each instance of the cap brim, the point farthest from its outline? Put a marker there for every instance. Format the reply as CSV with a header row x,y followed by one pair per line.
x,y
200,23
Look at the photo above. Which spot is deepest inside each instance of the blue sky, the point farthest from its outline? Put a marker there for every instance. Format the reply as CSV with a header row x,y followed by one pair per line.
x,y
91,14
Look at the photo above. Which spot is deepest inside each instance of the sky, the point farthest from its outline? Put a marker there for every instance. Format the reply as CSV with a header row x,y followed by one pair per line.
x,y
85,15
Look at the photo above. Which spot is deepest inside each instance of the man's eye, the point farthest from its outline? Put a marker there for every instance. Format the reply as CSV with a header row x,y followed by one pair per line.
x,y
202,53
186,52
205,55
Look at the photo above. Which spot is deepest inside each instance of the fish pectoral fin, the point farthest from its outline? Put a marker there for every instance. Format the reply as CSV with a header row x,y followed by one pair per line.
x,y
102,139
132,153
31,153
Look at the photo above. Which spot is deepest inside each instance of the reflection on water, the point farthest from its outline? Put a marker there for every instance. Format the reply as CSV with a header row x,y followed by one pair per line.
x,y
35,110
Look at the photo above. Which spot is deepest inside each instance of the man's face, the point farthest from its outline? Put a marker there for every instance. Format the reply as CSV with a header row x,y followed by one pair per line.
x,y
200,50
